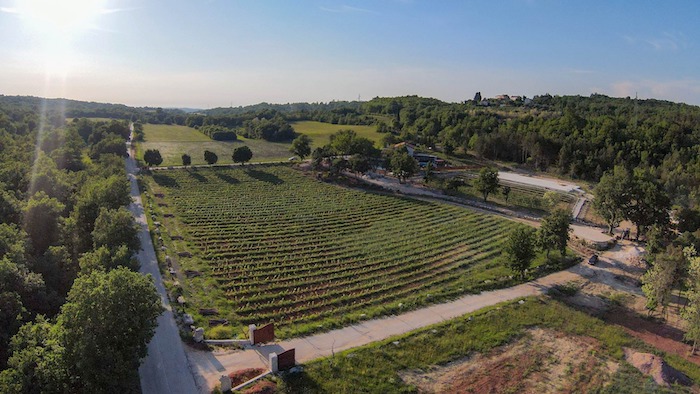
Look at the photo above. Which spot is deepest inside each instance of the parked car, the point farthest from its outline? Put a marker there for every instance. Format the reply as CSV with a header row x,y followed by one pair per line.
x,y
593,259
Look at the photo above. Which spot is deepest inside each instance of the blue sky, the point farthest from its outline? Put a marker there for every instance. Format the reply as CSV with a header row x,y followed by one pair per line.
x,y
238,52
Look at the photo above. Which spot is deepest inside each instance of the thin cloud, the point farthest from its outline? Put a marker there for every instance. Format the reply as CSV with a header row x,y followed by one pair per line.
x,y
669,41
346,9
9,10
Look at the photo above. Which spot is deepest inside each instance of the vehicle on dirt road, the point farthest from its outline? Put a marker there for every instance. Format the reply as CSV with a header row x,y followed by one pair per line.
x,y
593,259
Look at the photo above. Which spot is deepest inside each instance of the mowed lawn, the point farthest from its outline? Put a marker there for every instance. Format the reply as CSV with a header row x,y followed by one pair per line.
x,y
321,132
275,245
173,141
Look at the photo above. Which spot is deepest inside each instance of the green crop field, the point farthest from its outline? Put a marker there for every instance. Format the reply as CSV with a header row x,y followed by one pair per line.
x,y
173,141
321,132
172,133
275,245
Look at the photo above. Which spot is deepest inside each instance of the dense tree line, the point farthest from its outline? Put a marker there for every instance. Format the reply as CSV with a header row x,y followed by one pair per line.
x,y
581,137
66,257
82,109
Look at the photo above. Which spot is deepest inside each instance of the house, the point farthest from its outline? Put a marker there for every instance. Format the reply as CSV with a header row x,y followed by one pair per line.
x,y
411,149
422,158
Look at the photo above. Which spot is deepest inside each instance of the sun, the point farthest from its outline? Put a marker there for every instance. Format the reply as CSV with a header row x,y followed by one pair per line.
x,y
56,27
67,17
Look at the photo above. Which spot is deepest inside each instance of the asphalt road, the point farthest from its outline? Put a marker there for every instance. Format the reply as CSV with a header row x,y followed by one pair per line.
x,y
166,368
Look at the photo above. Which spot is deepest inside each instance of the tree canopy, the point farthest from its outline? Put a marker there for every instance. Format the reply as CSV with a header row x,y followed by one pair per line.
x,y
301,146
519,249
210,157
487,181
152,157
242,154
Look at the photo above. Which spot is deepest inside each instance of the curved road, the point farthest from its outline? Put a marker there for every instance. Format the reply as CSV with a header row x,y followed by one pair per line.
x,y
166,368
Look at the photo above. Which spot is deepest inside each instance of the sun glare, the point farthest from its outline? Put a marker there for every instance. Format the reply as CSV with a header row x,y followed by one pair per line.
x,y
56,27
60,17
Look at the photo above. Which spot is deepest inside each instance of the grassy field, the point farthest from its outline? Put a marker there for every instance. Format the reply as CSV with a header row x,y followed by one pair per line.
x,y
274,245
173,141
321,132
172,133
377,368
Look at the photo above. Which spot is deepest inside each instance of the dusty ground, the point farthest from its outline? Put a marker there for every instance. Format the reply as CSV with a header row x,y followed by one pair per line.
x,y
612,290
543,361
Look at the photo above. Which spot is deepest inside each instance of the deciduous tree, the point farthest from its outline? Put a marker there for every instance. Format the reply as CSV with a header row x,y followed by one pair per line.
x,y
664,275
402,164
210,157
106,323
487,181
519,249
152,157
301,146
612,196
242,154
554,231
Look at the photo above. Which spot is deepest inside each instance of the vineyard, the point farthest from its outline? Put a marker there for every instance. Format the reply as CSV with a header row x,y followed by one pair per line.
x,y
275,245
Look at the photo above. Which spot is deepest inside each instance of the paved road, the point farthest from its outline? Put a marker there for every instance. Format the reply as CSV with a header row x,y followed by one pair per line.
x,y
166,368
210,366
539,181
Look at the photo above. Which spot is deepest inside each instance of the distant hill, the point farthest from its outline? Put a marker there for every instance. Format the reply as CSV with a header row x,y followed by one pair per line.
x,y
88,109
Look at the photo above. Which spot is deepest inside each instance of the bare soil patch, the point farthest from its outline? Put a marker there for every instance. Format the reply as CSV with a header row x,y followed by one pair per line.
x,y
542,361
654,366
662,336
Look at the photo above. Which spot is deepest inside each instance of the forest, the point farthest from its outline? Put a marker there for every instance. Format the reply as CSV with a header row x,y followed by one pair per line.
x,y
67,269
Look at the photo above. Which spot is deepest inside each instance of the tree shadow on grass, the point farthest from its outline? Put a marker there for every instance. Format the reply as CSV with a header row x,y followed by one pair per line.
x,y
165,180
227,178
197,176
264,177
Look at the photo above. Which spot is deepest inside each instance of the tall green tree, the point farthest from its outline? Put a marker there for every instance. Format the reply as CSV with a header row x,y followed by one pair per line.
x,y
612,196
152,157
106,324
242,154
553,233
41,221
519,249
665,274
691,313
186,159
110,193
487,181
210,157
301,146
402,164
37,364
648,203
115,227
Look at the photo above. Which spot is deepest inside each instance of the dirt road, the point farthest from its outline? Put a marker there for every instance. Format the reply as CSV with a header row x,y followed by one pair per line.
x,y
166,368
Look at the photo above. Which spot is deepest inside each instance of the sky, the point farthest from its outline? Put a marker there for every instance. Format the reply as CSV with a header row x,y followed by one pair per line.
x,y
204,54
